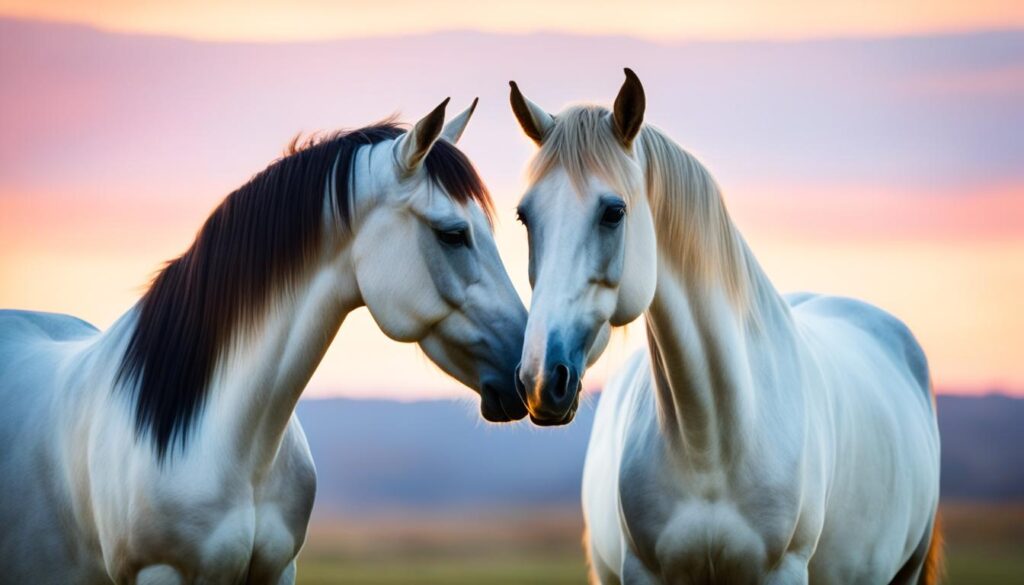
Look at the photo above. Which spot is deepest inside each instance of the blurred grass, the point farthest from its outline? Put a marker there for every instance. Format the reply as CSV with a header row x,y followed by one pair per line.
x,y
444,572
984,545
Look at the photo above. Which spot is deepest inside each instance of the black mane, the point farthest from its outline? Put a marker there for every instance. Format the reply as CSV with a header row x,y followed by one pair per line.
x,y
258,241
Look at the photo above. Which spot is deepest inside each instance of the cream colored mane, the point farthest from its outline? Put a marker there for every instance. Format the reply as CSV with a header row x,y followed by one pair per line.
x,y
692,224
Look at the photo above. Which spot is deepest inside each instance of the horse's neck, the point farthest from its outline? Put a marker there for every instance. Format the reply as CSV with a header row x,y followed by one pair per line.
x,y
260,381
260,377
715,362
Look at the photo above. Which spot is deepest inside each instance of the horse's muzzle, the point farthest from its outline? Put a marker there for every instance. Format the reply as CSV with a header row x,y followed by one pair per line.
x,y
499,401
554,400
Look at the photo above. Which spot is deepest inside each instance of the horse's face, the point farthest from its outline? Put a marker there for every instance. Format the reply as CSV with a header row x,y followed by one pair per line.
x,y
429,271
592,246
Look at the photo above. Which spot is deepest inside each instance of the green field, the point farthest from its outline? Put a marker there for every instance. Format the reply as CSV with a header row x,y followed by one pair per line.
x,y
984,545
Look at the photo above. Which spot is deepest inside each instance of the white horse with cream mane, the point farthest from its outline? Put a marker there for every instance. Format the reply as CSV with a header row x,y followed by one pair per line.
x,y
758,438
166,450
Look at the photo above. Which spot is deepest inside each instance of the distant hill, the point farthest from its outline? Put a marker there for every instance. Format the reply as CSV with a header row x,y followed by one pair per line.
x,y
372,455
436,455
982,447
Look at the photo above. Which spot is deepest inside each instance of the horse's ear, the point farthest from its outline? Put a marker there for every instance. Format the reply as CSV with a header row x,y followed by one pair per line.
x,y
535,121
416,144
629,109
453,130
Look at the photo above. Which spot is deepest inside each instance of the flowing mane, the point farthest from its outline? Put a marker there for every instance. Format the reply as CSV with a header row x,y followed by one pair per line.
x,y
255,245
691,220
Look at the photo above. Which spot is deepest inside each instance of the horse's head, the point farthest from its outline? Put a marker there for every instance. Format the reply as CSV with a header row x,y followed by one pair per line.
x,y
592,243
426,264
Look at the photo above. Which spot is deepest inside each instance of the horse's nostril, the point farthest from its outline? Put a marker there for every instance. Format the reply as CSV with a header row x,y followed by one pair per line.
x,y
560,383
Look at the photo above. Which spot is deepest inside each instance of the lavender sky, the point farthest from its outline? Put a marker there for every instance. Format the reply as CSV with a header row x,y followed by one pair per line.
x,y
888,167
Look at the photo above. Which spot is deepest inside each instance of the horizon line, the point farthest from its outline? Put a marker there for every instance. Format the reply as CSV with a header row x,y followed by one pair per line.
x,y
592,392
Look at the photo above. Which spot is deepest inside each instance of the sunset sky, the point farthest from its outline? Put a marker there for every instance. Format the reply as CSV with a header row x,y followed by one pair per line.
x,y
294,20
868,151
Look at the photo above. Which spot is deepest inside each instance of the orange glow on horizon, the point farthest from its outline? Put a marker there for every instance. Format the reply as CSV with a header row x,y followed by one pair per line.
x,y
303,20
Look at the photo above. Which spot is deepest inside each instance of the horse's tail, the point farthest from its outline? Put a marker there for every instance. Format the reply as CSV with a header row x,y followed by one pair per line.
x,y
592,576
934,562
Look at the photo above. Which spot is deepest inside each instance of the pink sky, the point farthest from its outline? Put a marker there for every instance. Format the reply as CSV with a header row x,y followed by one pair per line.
x,y
887,169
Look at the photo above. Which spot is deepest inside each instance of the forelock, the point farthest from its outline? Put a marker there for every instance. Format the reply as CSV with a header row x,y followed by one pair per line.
x,y
582,143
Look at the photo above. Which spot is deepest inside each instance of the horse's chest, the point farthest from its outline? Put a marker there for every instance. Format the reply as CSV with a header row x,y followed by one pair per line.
x,y
236,532
694,540
219,544
694,528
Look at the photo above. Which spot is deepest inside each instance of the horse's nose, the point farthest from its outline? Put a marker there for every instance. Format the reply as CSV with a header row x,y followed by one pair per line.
x,y
501,401
554,400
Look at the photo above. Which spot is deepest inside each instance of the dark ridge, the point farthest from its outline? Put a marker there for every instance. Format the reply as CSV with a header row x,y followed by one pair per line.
x,y
256,243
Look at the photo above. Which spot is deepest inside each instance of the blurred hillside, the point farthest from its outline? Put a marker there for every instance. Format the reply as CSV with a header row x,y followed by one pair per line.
x,y
424,493
436,456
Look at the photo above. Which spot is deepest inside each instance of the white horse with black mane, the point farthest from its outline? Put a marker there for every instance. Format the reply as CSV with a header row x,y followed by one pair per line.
x,y
166,449
757,439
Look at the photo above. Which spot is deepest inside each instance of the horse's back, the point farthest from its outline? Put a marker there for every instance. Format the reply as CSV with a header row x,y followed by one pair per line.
x,y
30,346
23,326
34,347
886,330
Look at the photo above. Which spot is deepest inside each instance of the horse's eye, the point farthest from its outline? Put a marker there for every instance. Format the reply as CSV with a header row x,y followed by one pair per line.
x,y
613,215
454,238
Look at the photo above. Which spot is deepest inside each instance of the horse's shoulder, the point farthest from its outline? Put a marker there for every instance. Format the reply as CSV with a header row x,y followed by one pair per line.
x,y
55,326
292,478
625,387
296,457
284,502
635,365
